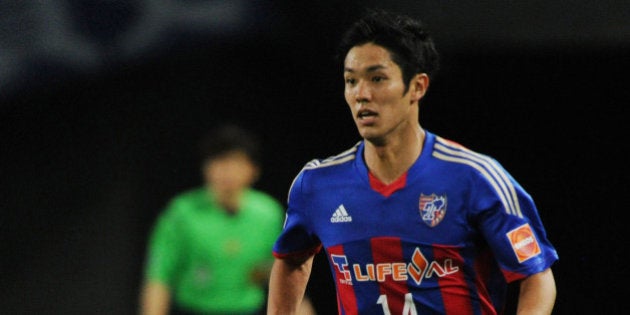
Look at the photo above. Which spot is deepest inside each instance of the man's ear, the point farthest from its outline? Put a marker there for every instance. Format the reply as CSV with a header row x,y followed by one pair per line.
x,y
418,86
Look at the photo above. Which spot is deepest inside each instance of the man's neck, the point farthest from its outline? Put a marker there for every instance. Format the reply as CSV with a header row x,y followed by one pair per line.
x,y
391,160
228,200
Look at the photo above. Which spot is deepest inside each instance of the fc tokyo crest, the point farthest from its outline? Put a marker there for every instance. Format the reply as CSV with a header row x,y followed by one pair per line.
x,y
432,208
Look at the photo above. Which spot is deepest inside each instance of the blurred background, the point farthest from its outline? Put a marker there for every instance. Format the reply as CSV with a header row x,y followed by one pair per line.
x,y
102,103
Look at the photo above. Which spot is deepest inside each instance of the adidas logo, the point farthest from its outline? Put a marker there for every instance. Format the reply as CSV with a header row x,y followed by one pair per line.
x,y
340,215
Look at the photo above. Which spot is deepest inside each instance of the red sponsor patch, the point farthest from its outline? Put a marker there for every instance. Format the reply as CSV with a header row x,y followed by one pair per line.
x,y
523,242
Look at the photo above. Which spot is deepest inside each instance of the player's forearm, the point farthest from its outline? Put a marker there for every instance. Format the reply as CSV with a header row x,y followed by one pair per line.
x,y
537,294
287,285
155,299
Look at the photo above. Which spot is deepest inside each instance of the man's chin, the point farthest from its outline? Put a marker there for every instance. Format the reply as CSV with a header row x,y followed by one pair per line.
x,y
373,137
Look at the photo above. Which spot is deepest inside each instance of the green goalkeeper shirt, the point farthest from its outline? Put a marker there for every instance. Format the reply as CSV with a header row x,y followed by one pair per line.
x,y
206,256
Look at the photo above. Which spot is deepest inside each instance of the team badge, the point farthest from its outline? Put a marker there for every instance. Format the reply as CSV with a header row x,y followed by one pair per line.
x,y
432,208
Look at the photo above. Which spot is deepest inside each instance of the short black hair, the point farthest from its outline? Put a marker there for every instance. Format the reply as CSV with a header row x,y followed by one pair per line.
x,y
407,40
229,137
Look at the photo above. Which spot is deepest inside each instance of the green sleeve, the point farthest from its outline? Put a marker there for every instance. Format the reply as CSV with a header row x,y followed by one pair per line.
x,y
163,249
276,220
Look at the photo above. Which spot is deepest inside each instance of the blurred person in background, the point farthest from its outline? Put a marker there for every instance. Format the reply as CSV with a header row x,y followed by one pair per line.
x,y
210,250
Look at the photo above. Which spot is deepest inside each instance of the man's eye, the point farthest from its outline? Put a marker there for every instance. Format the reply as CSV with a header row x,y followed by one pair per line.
x,y
350,81
377,79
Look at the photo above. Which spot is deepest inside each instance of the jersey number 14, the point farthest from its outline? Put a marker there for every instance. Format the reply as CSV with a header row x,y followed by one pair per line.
x,y
408,309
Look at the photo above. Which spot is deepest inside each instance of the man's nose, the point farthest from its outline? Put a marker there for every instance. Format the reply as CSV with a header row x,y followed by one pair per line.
x,y
362,92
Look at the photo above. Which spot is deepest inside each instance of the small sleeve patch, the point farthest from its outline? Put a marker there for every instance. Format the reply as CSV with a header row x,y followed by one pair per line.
x,y
523,242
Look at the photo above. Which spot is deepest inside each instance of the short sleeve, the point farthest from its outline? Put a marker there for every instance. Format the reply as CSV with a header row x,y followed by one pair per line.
x,y
297,237
163,249
509,220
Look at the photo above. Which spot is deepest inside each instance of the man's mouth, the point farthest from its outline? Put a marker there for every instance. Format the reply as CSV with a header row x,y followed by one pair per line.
x,y
366,114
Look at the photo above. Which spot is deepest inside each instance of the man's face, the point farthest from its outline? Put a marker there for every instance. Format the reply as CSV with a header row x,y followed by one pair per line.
x,y
230,172
374,91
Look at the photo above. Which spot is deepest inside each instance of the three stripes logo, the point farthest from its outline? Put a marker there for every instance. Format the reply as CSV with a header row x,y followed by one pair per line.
x,y
340,215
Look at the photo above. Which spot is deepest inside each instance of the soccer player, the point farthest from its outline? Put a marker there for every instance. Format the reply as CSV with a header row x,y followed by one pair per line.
x,y
411,223
210,249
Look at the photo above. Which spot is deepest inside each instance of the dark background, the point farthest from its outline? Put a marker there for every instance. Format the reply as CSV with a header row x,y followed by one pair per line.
x,y
102,102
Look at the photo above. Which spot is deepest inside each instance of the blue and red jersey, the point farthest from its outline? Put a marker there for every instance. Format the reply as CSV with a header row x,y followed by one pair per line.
x,y
445,238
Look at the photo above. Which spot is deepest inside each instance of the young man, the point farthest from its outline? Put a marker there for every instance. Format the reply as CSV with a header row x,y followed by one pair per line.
x,y
209,252
411,223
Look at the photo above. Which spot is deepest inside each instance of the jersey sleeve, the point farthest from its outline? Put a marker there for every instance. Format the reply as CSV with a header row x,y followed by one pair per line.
x,y
163,249
510,223
297,238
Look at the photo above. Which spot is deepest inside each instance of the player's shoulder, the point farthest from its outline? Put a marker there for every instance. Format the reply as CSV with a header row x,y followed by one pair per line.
x,y
342,158
179,206
444,144
189,195
450,151
261,197
329,169
187,199
459,158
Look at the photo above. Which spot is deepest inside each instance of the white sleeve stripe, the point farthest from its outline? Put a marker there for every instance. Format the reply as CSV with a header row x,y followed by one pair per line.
x,y
497,178
506,186
505,203
317,164
334,160
343,157
490,164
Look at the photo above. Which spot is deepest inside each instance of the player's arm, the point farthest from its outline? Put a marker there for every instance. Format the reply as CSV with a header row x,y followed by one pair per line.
x,y
287,285
537,294
161,261
155,299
